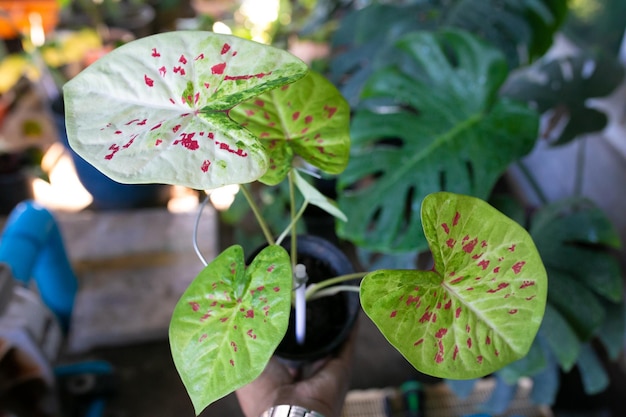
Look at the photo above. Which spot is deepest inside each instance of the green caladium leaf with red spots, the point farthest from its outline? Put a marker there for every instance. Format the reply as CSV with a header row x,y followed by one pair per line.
x,y
155,110
229,321
480,306
308,118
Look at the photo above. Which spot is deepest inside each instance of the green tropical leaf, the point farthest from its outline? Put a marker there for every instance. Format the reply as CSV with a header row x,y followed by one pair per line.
x,y
309,119
155,110
563,86
446,130
594,377
576,229
560,337
481,305
229,321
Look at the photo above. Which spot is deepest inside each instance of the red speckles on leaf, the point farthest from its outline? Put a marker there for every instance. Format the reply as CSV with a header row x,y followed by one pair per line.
x,y
199,57
488,340
295,116
517,268
224,319
426,317
176,128
393,314
251,334
194,305
526,284
308,119
114,149
225,48
182,59
232,362
218,69
250,112
469,246
419,342
455,221
276,289
187,141
450,243
496,269
469,342
155,127
479,359
271,268
203,337
179,70
501,286
162,71
155,53
468,328
512,248
158,142
330,110
445,228
457,313
513,311
410,300
149,81
455,353
484,264
206,164
448,305
234,346
457,280
245,77
441,333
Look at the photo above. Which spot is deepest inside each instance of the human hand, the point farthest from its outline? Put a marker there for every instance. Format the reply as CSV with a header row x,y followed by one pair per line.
x,y
322,387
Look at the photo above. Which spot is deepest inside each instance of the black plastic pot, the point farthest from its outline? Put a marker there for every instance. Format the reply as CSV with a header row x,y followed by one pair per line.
x,y
329,320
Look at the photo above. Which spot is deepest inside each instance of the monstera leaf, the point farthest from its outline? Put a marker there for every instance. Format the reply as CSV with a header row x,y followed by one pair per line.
x,y
156,109
229,321
480,306
309,119
563,86
446,129
522,29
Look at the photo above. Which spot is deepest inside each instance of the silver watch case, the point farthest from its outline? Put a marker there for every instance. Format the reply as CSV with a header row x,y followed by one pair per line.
x,y
290,411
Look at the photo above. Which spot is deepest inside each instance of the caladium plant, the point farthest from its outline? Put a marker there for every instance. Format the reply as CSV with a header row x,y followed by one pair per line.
x,y
201,110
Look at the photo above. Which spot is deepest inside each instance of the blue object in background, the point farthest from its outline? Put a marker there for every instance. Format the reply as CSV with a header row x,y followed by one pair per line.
x,y
31,244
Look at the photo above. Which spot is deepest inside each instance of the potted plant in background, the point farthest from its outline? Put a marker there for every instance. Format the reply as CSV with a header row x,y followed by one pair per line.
x,y
445,95
203,110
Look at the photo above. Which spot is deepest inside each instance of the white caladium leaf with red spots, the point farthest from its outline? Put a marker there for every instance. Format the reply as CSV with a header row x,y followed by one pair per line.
x,y
155,110
480,306
229,321
309,118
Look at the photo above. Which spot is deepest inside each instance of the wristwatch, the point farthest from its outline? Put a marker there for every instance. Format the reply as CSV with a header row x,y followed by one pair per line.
x,y
290,411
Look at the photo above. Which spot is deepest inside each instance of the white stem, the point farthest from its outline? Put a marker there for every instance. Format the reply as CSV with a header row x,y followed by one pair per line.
x,y
300,279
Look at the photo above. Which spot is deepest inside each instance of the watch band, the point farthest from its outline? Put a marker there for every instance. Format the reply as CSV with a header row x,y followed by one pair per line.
x,y
290,411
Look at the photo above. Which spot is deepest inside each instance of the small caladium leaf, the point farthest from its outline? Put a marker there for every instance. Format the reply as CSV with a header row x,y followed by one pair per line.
x,y
313,196
481,305
309,118
229,321
155,110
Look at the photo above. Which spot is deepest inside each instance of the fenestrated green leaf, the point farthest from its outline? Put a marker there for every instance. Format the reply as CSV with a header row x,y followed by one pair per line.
x,y
481,305
447,130
155,110
309,119
229,321
560,337
564,85
575,239
592,372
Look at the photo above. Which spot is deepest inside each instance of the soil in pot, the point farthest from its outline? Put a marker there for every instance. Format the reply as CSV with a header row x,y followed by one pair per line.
x,y
329,320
